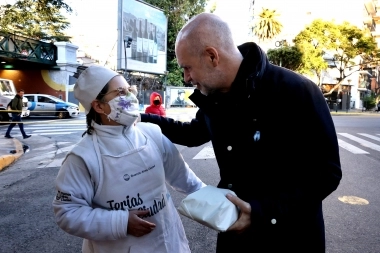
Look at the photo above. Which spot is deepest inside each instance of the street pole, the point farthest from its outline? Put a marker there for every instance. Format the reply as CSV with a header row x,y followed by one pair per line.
x,y
166,96
280,43
127,44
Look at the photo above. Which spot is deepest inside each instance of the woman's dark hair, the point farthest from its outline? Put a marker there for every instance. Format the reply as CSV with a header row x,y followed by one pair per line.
x,y
92,115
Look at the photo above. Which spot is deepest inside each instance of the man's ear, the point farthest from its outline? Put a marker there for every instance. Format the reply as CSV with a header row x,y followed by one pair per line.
x,y
98,106
213,55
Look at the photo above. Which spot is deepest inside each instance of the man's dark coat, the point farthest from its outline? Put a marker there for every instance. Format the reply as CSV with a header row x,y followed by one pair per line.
x,y
276,147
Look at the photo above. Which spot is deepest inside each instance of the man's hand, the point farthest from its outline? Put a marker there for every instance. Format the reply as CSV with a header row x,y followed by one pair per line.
x,y
137,226
244,220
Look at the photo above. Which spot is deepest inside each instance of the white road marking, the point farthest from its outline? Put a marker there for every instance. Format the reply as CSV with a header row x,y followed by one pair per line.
x,y
55,133
55,163
50,146
59,130
370,136
351,148
205,153
361,141
65,149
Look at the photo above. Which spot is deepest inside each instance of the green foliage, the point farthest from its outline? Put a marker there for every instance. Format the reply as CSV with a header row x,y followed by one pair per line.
x,y
178,13
38,19
342,42
287,57
268,25
369,101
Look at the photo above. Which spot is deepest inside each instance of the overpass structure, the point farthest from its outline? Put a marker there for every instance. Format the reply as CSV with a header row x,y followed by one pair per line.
x,y
23,53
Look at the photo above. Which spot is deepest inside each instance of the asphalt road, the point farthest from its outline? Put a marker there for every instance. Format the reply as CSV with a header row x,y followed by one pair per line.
x,y
26,190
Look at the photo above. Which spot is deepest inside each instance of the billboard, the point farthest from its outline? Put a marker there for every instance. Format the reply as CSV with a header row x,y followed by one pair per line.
x,y
147,26
179,96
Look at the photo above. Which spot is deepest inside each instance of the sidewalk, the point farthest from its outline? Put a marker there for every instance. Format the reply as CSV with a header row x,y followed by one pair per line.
x,y
12,149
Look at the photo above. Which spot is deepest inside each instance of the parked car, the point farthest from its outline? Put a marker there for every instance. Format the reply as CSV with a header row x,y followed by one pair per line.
x,y
48,105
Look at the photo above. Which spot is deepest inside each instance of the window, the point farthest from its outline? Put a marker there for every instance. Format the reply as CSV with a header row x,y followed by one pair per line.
x,y
43,99
30,98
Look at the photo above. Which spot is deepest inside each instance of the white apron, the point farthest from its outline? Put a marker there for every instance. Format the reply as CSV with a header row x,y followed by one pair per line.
x,y
134,180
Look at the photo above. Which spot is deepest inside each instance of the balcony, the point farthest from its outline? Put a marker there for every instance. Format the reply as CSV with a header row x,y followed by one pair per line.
x,y
19,52
370,7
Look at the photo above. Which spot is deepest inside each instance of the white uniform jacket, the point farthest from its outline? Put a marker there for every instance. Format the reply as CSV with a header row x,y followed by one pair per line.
x,y
117,169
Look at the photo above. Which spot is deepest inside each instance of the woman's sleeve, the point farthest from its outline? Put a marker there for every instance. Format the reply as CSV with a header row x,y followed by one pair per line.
x,y
177,172
73,207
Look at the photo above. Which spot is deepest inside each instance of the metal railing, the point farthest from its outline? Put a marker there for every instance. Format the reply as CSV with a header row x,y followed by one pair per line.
x,y
24,48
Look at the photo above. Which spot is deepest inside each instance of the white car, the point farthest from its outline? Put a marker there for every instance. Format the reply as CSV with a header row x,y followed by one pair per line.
x,y
48,105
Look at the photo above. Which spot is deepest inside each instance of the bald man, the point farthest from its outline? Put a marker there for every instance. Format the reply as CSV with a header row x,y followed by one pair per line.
x,y
280,165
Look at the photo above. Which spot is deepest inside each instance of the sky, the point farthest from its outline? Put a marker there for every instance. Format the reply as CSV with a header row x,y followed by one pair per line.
x,y
94,24
94,21
237,14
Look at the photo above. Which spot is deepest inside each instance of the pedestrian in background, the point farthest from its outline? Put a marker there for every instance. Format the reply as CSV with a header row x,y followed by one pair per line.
x,y
281,164
155,106
16,107
111,187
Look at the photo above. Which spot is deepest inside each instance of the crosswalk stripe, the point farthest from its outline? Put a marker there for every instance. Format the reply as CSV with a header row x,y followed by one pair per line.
x,y
53,125
351,148
65,149
205,153
361,141
55,163
370,136
59,130
55,133
50,127
50,146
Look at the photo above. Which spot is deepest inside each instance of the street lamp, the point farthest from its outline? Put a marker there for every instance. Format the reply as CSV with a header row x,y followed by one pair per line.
x,y
127,44
280,43
165,90
166,75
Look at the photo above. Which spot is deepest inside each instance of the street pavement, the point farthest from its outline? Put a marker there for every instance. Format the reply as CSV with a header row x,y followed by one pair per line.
x,y
13,149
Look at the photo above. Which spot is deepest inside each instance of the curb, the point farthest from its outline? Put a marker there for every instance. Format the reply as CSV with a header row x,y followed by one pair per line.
x,y
7,160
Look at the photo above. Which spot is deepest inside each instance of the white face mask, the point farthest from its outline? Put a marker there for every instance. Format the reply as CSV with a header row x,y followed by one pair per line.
x,y
124,109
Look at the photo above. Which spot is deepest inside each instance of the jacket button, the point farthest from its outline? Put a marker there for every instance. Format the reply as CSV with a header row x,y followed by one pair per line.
x,y
254,120
229,186
273,221
229,148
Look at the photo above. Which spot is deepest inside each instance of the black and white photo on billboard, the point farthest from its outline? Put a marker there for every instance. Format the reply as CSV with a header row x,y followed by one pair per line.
x,y
147,26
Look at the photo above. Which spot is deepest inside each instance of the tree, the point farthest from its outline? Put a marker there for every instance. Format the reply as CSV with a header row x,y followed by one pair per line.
x,y
267,26
343,47
287,57
178,13
37,19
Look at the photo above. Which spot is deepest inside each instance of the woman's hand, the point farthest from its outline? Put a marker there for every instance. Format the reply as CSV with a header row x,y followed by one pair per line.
x,y
137,226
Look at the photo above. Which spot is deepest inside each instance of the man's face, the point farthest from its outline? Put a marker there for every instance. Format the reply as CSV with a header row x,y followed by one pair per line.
x,y
21,93
198,70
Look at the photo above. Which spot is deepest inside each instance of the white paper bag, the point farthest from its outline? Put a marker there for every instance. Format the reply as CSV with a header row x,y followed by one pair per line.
x,y
210,207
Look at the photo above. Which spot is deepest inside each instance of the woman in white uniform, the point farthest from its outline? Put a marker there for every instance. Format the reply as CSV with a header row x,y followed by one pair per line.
x,y
111,188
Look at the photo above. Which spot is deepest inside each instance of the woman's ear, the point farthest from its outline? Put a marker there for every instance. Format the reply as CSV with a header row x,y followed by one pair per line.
x,y
98,106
